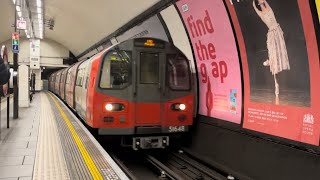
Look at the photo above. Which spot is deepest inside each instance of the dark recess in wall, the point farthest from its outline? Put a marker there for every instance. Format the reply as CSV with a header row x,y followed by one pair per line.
x,y
250,156
47,72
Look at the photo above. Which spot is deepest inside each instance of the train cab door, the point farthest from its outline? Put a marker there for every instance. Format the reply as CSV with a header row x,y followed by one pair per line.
x,y
149,82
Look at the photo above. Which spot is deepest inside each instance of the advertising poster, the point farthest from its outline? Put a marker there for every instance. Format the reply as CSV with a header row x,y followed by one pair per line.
x,y
280,61
216,56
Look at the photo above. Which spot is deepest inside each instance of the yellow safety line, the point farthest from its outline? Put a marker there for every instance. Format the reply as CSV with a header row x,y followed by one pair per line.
x,y
87,158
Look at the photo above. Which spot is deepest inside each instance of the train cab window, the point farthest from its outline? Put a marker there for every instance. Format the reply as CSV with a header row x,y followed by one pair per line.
x,y
149,68
178,72
116,70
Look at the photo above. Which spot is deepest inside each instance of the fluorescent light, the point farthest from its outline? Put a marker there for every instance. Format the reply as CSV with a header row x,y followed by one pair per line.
x,y
39,10
14,1
39,3
39,16
18,8
19,14
28,36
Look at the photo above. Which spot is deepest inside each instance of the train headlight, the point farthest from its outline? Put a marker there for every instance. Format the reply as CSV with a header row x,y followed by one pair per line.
x,y
114,107
178,107
109,107
182,107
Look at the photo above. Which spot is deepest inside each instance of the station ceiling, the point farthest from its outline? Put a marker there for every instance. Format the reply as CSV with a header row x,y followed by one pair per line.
x,y
78,24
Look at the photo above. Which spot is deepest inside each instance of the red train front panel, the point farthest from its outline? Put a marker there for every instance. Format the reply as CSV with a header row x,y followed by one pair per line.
x,y
142,87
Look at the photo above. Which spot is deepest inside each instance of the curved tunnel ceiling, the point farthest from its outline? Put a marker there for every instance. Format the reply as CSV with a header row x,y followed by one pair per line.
x,y
79,24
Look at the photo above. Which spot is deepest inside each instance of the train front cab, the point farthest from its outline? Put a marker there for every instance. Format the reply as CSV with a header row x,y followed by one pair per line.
x,y
145,89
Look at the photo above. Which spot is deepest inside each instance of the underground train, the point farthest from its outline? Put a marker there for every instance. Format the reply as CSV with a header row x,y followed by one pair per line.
x,y
141,89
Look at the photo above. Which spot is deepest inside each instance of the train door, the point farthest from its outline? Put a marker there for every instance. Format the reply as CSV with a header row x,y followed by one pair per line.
x,y
78,89
83,102
149,84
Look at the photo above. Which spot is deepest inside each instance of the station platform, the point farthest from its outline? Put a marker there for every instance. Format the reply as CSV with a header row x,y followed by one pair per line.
x,y
48,142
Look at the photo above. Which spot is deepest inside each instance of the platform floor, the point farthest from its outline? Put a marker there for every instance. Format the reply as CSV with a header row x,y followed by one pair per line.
x,y
48,142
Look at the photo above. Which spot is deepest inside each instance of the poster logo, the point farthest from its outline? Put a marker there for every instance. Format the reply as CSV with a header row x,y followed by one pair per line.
x,y
308,118
233,101
185,8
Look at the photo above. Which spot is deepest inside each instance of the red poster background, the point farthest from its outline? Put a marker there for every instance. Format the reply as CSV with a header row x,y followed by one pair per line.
x,y
295,123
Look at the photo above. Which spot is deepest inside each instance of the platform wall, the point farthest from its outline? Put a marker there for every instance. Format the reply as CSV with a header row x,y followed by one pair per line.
x,y
247,156
51,52
281,139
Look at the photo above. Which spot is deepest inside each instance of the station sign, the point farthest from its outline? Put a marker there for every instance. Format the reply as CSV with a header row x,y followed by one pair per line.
x,y
35,54
15,42
21,24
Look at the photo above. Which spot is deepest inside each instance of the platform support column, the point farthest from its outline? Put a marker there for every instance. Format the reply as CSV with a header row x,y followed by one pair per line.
x,y
15,80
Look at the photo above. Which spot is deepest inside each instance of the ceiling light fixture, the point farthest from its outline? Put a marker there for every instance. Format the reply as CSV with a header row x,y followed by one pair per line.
x,y
39,3
18,8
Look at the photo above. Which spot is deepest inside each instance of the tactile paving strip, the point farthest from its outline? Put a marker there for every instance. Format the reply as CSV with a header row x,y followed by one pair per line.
x,y
50,162
77,166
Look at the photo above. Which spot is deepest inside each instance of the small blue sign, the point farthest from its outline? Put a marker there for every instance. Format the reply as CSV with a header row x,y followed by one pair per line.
x,y
15,48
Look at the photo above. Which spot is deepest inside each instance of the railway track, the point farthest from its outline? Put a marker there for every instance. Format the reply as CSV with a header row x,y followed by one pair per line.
x,y
164,164
178,165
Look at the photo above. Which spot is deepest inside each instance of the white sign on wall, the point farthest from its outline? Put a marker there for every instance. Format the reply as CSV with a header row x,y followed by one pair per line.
x,y
21,24
35,54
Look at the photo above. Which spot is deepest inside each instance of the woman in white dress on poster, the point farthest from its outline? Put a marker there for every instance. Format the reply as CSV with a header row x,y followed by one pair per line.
x,y
277,51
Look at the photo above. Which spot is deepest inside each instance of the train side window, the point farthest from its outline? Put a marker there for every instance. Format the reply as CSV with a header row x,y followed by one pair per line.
x,y
79,78
116,70
178,72
68,78
87,80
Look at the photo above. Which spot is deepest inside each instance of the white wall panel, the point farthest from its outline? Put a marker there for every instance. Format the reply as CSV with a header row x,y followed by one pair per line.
x,y
178,33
